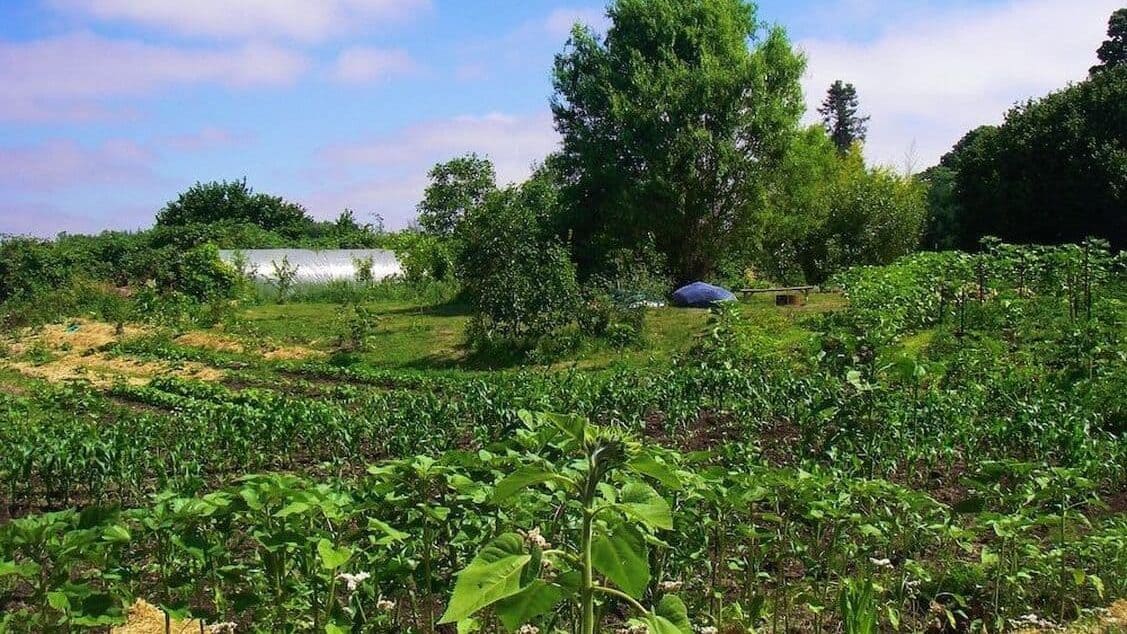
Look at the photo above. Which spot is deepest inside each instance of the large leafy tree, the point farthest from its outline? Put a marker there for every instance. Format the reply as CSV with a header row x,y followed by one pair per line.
x,y
829,212
233,202
669,124
841,116
456,187
1055,171
1113,52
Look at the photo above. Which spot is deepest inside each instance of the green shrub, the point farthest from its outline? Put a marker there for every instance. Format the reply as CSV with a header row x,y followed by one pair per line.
x,y
29,266
422,256
520,281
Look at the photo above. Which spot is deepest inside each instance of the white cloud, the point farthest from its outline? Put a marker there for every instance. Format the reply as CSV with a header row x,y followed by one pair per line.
x,y
560,21
932,78
66,77
363,64
302,20
63,163
204,139
388,174
45,220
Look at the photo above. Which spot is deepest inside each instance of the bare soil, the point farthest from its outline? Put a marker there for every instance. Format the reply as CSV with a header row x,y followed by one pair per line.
x,y
76,350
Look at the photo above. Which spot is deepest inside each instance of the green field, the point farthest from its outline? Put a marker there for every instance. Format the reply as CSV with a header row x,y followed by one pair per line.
x,y
915,452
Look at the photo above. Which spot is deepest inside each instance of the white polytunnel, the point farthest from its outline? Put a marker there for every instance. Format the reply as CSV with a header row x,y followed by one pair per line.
x,y
314,266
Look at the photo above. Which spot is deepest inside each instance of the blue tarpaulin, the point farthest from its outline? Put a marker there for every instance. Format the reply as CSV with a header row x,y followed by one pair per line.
x,y
701,295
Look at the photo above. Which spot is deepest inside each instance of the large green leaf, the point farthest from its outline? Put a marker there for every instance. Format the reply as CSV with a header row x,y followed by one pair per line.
x,y
672,609
536,599
293,508
621,556
332,557
25,570
573,426
391,535
648,465
640,501
117,534
492,575
520,479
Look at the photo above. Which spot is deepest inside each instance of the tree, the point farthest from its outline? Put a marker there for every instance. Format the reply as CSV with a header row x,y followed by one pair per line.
x,y
1113,52
1054,172
456,187
840,116
829,212
670,124
941,229
234,202
518,276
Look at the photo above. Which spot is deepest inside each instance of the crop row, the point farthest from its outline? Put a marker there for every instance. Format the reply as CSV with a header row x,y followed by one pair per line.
x,y
768,548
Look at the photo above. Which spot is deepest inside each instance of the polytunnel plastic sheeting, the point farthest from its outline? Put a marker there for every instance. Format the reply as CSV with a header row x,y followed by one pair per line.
x,y
316,265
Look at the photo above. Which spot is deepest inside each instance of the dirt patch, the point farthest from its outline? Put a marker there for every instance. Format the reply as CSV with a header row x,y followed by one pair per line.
x,y
146,618
211,341
103,370
708,430
219,342
78,336
74,350
12,390
1113,620
1117,503
289,353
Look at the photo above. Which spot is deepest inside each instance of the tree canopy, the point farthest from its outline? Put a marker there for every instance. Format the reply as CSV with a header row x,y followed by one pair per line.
x,y
841,116
233,202
1113,52
456,187
670,124
827,212
1055,171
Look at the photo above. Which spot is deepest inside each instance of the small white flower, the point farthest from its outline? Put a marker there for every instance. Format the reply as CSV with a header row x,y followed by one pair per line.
x,y
669,586
528,629
222,628
707,629
353,581
880,563
548,570
534,537
385,605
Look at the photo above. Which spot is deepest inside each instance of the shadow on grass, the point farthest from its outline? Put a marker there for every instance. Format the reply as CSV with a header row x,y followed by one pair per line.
x,y
472,359
436,310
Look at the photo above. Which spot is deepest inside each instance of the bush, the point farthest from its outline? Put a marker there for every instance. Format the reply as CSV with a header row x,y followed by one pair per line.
x,y
520,281
422,256
29,266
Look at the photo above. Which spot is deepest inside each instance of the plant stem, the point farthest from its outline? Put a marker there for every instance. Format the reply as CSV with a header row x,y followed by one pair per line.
x,y
621,595
587,598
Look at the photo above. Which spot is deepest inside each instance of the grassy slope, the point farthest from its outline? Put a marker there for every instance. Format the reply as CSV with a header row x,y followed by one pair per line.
x,y
431,337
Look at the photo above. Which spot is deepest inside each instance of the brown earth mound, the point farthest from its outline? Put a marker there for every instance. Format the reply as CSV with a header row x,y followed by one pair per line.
x,y
146,618
72,350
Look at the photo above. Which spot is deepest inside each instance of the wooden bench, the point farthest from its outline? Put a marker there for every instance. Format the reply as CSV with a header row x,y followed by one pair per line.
x,y
784,295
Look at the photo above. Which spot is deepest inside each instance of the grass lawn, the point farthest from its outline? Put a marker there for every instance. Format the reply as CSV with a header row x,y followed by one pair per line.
x,y
432,337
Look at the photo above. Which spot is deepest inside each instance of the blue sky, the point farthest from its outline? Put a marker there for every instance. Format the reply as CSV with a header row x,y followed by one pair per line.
x,y
108,108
